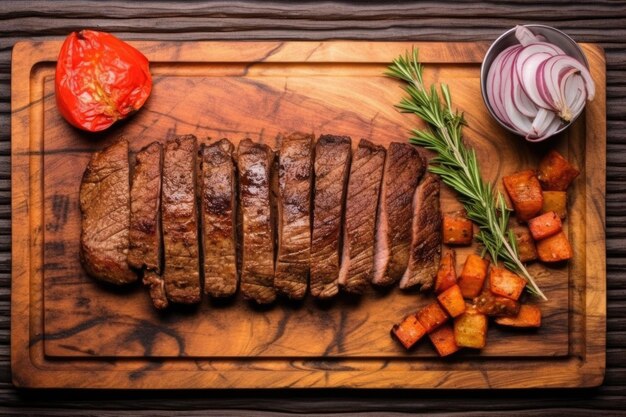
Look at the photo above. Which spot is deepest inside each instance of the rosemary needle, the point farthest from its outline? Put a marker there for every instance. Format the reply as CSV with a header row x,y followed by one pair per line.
x,y
457,165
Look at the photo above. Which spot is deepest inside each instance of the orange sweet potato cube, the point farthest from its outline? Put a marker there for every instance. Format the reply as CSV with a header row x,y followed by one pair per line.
x,y
505,283
443,340
452,301
473,276
525,192
555,201
457,229
446,275
554,248
409,331
555,173
526,249
470,330
494,305
528,316
432,316
546,225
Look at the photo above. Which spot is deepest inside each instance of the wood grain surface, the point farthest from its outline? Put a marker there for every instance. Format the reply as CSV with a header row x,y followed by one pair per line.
x,y
212,90
399,21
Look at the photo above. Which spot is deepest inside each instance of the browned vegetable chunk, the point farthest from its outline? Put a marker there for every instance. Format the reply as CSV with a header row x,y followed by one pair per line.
x,y
409,331
473,276
452,301
526,249
495,306
443,340
446,274
555,248
544,226
432,316
505,283
470,330
525,191
457,229
555,172
555,201
528,316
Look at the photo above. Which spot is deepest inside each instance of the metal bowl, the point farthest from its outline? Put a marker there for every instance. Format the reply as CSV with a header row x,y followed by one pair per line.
x,y
554,36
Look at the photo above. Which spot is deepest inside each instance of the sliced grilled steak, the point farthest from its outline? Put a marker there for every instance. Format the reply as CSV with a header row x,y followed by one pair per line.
x,y
332,165
426,236
156,286
105,215
254,162
145,221
357,259
179,217
295,173
145,194
404,168
218,211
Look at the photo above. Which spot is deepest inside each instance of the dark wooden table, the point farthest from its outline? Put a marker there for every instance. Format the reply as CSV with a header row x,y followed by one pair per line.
x,y
600,21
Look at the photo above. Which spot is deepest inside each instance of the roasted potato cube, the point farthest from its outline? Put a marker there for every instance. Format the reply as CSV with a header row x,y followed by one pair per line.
x,y
409,331
494,305
443,340
452,301
555,173
555,201
505,283
528,316
473,276
457,229
470,330
432,316
446,275
546,225
526,249
554,248
525,192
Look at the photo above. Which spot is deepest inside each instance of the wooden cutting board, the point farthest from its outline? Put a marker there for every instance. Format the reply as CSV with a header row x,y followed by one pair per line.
x,y
70,331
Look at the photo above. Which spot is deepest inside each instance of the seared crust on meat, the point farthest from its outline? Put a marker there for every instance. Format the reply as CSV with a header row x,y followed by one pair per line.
x,y
404,168
105,215
180,225
426,241
332,166
357,260
145,220
254,162
295,175
218,213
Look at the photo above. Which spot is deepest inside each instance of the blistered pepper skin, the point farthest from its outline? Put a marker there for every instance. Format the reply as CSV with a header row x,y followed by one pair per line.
x,y
100,80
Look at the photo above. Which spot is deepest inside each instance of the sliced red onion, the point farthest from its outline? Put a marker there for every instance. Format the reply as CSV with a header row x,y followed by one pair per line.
x,y
557,70
525,36
494,78
554,126
526,68
534,87
541,122
520,122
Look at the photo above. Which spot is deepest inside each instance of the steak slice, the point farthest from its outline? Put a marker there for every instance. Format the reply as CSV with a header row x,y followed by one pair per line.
x,y
426,236
404,168
357,259
180,224
105,215
295,173
332,165
218,211
254,161
145,222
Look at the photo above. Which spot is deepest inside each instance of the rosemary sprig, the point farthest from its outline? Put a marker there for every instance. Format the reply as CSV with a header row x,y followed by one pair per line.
x,y
457,165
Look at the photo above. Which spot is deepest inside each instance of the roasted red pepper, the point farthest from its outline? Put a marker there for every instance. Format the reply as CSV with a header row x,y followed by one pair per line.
x,y
100,80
